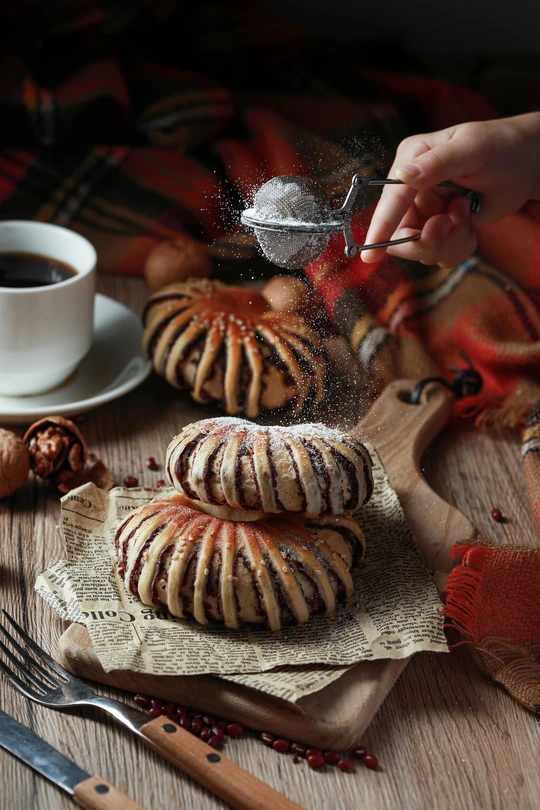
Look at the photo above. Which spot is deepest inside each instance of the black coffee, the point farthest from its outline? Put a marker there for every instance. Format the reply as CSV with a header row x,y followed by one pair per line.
x,y
32,270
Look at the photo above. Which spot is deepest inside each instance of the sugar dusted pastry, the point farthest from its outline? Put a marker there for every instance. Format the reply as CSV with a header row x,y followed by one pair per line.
x,y
225,344
276,571
231,464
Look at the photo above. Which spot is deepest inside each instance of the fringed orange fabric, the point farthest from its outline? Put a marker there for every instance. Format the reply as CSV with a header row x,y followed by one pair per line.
x,y
493,601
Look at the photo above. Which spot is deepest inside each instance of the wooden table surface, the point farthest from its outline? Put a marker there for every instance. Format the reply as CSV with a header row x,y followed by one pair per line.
x,y
445,737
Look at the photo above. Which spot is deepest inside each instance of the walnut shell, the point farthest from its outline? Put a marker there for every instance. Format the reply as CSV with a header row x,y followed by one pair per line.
x,y
57,448
95,473
176,260
14,463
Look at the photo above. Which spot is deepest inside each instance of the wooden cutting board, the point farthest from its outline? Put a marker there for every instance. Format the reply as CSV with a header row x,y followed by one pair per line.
x,y
336,716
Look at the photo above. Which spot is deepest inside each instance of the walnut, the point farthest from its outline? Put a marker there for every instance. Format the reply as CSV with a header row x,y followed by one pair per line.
x,y
57,449
14,463
176,260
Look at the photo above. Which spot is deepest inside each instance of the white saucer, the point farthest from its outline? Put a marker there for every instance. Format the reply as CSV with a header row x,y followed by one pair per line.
x,y
114,365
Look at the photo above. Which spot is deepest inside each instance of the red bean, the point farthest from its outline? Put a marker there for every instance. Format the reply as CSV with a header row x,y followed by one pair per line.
x,y
208,720
160,483
151,463
223,725
141,700
215,729
235,729
155,712
315,761
155,703
281,746
195,714
332,757
266,738
215,741
371,761
313,752
359,751
299,749
131,481
168,708
206,733
497,516
172,716
184,721
196,725
345,765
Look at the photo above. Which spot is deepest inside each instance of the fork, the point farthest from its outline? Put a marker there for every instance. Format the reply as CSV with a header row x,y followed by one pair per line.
x,y
61,690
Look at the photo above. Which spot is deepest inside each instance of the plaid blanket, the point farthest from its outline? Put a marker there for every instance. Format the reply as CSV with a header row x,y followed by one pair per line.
x,y
134,122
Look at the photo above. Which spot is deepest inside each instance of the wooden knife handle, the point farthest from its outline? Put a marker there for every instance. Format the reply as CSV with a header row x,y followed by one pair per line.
x,y
97,794
210,768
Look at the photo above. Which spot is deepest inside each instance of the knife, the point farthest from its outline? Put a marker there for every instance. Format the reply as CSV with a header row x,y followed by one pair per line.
x,y
89,792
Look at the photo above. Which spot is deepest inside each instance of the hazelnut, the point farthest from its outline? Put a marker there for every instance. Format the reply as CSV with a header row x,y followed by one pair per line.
x,y
57,449
176,260
14,463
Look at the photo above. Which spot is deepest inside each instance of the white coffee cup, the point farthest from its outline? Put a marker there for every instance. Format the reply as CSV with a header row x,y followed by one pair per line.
x,y
45,331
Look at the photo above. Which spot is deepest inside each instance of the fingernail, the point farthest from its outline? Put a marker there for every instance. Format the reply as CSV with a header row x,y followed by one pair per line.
x,y
408,171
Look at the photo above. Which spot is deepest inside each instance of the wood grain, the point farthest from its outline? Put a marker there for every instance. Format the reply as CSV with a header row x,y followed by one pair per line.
x,y
237,786
338,715
445,736
97,794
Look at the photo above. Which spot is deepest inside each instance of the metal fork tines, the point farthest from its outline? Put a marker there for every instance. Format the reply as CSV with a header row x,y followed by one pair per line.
x,y
57,688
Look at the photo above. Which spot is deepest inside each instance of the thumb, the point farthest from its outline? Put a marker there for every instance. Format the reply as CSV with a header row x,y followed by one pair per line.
x,y
455,158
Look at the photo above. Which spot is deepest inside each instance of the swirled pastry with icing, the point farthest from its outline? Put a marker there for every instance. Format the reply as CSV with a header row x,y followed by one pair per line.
x,y
231,464
225,344
275,571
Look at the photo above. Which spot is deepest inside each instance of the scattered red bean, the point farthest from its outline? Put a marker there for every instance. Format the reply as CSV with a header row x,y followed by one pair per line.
x,y
371,761
184,721
313,752
160,483
345,765
315,761
235,729
332,757
151,463
266,738
359,751
215,741
215,729
195,714
131,481
281,746
208,720
155,712
155,703
172,716
196,725
299,749
223,725
206,733
497,515
168,708
142,700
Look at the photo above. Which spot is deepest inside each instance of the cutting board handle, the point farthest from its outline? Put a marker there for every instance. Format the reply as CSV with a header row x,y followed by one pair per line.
x,y
401,432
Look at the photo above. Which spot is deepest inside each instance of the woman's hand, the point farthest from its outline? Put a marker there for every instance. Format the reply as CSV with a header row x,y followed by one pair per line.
x,y
500,159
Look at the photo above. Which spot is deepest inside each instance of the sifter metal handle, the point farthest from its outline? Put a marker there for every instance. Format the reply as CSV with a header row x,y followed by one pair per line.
x,y
358,181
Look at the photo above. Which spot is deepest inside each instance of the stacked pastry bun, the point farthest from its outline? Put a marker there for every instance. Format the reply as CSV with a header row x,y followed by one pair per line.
x,y
261,530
